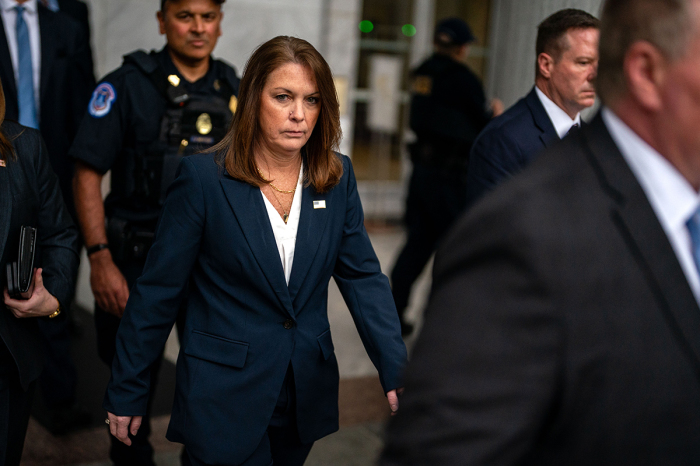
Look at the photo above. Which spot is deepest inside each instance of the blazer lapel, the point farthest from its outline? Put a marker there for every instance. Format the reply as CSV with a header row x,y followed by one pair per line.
x,y
48,45
646,237
541,119
5,206
249,208
312,224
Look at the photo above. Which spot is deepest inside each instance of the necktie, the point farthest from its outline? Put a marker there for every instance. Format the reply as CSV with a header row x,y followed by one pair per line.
x,y
25,84
573,129
693,225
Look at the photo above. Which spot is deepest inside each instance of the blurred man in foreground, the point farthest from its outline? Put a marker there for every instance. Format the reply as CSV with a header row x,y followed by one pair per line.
x,y
564,325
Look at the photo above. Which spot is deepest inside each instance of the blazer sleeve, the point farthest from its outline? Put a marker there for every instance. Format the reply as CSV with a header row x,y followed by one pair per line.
x,y
367,293
485,372
57,234
155,299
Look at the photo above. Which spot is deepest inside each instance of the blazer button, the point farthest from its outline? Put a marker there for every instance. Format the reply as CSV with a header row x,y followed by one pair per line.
x,y
288,324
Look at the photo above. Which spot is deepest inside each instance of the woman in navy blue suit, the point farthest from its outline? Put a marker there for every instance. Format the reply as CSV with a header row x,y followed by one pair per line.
x,y
29,196
252,234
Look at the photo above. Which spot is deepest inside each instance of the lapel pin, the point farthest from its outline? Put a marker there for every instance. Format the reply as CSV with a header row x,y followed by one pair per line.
x,y
2,164
319,204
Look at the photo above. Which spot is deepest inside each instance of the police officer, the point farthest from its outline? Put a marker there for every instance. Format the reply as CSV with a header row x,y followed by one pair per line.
x,y
142,119
448,110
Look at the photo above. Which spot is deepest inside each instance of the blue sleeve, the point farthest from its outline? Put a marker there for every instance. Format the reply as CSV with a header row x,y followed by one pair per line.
x,y
367,293
155,299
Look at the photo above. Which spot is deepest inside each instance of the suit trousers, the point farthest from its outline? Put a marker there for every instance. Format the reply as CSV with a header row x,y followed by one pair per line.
x,y
15,406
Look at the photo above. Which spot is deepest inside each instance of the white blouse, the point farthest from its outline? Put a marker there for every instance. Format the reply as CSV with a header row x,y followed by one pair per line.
x,y
286,233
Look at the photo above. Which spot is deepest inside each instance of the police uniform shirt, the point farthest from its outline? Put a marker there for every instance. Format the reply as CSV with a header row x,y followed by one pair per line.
x,y
125,112
454,87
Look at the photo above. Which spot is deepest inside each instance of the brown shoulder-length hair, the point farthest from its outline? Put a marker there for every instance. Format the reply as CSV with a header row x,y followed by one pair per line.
x,y
322,167
6,149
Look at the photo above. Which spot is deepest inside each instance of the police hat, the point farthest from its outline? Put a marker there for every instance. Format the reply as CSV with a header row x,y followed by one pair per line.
x,y
453,31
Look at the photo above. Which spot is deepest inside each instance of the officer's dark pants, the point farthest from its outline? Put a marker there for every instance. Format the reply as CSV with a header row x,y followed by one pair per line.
x,y
59,377
140,452
436,198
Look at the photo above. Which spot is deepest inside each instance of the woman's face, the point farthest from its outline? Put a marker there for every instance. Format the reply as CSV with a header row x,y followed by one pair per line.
x,y
289,107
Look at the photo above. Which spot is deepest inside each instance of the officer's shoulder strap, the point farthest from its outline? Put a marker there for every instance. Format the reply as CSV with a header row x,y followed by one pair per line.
x,y
149,66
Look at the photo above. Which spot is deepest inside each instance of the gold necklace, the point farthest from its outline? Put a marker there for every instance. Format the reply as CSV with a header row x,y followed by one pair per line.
x,y
285,214
275,187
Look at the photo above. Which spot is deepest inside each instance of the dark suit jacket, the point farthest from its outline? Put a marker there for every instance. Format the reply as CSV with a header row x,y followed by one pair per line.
x,y
561,330
78,10
29,195
507,144
244,324
65,85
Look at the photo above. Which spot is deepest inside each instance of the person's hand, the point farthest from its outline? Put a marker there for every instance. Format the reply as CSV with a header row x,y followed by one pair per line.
x,y
393,398
37,302
122,426
497,107
108,284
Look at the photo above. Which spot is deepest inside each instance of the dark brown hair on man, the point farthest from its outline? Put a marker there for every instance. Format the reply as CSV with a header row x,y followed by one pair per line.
x,y
551,33
322,167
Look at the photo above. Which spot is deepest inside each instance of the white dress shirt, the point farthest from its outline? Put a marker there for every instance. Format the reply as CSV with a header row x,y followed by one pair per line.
x,y
561,121
286,233
9,22
671,196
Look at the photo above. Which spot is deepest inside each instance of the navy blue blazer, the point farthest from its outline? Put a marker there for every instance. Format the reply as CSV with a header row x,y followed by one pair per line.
x,y
507,144
244,324
29,195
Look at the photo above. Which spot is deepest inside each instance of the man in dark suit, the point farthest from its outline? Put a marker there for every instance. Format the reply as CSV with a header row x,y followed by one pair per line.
x,y
567,58
65,79
56,48
564,325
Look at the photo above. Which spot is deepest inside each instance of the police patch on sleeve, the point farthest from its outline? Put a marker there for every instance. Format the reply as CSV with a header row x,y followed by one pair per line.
x,y
102,99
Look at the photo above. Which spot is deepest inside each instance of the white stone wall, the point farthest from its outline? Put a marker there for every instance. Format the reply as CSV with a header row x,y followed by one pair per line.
x,y
124,25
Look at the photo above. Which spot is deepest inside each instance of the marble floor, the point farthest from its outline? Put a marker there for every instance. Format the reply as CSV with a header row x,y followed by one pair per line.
x,y
363,407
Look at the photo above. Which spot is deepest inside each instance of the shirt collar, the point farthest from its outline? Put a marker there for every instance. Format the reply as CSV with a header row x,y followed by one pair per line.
x,y
30,6
561,121
674,200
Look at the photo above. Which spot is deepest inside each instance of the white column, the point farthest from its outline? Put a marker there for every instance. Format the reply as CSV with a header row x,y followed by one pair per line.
x,y
422,42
